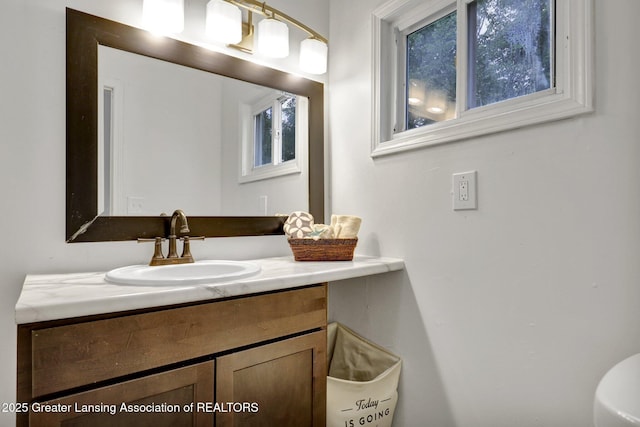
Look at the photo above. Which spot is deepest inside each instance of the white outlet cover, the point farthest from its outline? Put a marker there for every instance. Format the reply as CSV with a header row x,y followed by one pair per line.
x,y
465,194
135,205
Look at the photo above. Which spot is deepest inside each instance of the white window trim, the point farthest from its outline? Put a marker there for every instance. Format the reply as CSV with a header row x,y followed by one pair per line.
x,y
571,96
249,173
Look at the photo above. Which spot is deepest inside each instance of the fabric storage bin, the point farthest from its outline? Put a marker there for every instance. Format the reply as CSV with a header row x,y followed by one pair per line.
x,y
362,386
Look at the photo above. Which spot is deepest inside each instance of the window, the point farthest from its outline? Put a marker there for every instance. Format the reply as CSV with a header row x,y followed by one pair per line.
x,y
275,132
510,49
430,83
274,136
446,70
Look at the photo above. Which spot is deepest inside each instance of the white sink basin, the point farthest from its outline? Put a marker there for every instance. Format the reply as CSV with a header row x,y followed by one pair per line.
x,y
617,401
199,272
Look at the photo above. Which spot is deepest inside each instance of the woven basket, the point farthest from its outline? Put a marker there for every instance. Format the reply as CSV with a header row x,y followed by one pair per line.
x,y
323,249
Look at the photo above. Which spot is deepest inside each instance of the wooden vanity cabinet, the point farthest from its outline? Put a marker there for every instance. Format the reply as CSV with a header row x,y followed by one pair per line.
x,y
258,360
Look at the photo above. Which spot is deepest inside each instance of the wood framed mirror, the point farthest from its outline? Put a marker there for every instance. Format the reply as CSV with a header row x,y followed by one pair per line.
x,y
84,222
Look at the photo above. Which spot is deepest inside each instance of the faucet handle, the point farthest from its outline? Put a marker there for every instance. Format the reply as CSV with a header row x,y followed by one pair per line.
x,y
147,239
186,248
157,252
193,238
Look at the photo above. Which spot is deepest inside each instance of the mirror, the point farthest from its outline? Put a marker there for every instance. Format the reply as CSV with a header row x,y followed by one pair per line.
x,y
170,135
91,215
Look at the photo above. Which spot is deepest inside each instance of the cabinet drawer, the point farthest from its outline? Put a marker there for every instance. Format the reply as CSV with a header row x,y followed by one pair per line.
x,y
69,356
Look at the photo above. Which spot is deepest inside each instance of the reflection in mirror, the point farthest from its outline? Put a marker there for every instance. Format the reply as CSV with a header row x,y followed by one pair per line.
x,y
89,204
171,136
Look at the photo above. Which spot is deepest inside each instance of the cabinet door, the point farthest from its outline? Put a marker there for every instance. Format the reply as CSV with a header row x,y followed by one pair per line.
x,y
158,400
281,384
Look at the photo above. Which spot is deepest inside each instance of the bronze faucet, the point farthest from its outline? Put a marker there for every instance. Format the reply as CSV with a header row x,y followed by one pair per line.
x,y
172,257
178,214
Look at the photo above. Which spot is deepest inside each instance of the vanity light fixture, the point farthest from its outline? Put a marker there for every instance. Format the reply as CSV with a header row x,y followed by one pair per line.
x,y
273,33
163,16
224,22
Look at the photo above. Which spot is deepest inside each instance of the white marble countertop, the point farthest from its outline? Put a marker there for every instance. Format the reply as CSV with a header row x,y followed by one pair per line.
x,y
60,296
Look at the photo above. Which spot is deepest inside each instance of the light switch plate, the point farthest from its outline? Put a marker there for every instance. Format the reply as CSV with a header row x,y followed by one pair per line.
x,y
465,194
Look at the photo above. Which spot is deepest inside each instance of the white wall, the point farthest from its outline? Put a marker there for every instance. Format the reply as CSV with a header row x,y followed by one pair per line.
x,y
32,156
508,315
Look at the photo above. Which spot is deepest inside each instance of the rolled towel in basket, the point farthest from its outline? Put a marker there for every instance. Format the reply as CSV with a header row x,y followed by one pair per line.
x,y
345,226
298,225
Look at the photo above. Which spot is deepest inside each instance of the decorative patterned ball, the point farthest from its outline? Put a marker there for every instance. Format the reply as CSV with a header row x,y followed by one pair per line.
x,y
298,225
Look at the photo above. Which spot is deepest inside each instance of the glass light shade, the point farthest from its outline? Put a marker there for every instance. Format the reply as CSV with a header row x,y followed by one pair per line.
x,y
163,16
273,38
224,22
313,56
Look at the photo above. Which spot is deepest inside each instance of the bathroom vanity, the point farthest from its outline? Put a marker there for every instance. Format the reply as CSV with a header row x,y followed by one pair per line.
x,y
246,352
